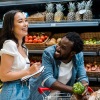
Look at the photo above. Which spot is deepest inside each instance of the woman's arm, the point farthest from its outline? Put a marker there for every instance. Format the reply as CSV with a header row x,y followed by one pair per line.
x,y
5,69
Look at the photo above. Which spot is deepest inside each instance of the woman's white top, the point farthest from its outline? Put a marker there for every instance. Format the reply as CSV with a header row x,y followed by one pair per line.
x,y
20,62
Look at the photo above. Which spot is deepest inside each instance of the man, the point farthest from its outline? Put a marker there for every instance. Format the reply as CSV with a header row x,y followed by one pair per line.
x,y
64,65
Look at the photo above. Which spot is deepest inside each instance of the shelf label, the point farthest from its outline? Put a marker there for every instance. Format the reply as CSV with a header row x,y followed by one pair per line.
x,y
53,24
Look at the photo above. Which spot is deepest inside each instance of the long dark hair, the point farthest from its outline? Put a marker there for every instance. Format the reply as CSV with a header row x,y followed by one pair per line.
x,y
8,23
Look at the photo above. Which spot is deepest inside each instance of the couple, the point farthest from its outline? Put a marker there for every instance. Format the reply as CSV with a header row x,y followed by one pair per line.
x,y
64,62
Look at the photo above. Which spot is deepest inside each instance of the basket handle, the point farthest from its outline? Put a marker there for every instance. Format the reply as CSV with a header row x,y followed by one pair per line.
x,y
42,89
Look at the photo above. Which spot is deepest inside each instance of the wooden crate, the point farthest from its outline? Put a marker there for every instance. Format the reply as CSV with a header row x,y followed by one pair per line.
x,y
37,46
93,61
54,36
91,35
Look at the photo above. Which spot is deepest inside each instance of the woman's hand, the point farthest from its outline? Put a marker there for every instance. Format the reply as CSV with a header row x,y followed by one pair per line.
x,y
34,68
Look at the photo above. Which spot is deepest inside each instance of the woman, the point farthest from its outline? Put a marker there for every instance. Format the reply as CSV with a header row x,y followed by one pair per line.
x,y
14,57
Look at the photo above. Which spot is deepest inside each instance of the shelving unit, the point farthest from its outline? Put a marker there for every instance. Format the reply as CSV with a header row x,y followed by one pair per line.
x,y
63,24
24,2
95,23
85,53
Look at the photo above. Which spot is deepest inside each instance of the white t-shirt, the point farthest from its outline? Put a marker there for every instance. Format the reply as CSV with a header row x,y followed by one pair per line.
x,y
65,73
20,62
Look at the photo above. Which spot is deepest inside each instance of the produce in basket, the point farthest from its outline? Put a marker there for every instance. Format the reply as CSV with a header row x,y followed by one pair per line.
x,y
40,37
78,88
95,95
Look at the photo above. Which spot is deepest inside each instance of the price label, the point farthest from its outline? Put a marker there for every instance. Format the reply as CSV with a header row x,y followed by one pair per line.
x,y
53,24
82,11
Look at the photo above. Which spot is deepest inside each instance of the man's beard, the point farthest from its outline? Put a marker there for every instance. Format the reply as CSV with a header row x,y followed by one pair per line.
x,y
61,57
65,57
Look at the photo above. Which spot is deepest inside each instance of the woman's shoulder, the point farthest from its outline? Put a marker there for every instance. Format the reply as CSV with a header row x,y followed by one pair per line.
x,y
9,43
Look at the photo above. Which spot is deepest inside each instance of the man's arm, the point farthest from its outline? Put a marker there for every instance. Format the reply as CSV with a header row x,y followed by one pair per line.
x,y
61,87
81,72
48,74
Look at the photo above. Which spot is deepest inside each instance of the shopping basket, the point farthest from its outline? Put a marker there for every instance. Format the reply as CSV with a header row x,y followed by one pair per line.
x,y
57,96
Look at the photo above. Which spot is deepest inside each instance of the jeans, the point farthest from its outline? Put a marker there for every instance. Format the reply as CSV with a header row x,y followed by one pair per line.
x,y
15,90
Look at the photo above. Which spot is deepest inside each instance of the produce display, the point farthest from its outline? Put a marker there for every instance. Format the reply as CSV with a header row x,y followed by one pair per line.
x,y
37,17
71,13
59,15
92,41
88,12
55,12
37,38
92,67
50,14
95,95
53,41
80,6
78,88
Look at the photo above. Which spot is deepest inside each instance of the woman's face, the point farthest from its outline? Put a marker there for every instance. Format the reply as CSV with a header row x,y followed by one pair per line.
x,y
20,27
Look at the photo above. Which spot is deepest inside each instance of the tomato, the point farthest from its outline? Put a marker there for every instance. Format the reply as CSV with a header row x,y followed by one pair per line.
x,y
26,40
35,40
30,41
40,40
34,36
30,37
42,37
46,36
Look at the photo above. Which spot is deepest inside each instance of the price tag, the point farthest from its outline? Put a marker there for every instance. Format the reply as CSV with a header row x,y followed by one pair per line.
x,y
82,11
53,24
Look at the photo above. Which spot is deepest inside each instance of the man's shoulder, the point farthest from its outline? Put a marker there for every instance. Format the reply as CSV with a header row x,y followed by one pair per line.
x,y
50,48
79,54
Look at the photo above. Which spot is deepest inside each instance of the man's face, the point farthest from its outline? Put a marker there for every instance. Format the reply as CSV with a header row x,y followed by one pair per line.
x,y
63,49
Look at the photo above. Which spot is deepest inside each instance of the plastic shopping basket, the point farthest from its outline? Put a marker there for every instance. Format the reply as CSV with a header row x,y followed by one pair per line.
x,y
57,96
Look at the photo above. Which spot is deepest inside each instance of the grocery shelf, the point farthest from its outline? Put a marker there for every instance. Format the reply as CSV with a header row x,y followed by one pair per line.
x,y
98,79
93,78
65,24
99,53
62,24
23,2
41,51
36,51
89,53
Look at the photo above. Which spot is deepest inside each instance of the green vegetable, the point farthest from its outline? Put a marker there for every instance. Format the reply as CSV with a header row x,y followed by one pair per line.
x,y
78,88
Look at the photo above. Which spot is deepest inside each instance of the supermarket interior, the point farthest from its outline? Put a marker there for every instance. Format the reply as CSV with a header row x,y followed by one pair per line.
x,y
50,20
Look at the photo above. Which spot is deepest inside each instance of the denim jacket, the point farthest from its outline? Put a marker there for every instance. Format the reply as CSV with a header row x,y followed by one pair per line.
x,y
51,72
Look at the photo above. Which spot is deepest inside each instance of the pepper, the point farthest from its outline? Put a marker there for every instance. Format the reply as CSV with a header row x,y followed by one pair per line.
x,y
78,88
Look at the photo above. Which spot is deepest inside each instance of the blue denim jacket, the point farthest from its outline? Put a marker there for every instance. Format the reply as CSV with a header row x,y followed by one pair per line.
x,y
51,72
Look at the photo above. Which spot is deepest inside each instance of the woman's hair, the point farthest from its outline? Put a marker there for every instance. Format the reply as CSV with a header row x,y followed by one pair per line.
x,y
8,23
76,39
